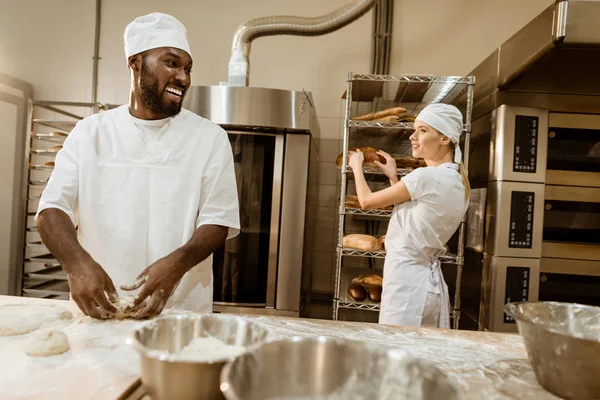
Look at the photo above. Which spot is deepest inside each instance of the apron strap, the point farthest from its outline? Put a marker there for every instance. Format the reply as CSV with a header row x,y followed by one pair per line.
x,y
437,279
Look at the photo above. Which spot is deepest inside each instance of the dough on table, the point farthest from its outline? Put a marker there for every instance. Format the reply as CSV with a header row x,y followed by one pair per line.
x,y
18,319
122,305
47,342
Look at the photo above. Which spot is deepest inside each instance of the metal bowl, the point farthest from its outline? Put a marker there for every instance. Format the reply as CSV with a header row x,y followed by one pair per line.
x,y
323,368
165,375
563,345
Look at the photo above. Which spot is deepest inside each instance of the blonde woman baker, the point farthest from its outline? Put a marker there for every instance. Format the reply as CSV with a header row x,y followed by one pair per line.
x,y
429,204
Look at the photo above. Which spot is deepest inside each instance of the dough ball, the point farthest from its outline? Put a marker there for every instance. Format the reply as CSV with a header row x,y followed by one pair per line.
x,y
47,342
122,305
18,319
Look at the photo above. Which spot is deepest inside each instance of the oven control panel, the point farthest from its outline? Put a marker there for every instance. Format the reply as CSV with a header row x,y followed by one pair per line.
x,y
517,287
521,220
526,144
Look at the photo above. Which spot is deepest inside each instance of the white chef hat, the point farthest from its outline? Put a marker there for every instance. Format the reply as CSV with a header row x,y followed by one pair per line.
x,y
155,30
447,120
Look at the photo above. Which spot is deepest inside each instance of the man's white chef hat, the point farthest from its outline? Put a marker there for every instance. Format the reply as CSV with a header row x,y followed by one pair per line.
x,y
155,30
447,120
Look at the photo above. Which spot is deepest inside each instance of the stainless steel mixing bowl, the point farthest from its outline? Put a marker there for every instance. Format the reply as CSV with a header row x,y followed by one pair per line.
x,y
323,368
563,345
166,376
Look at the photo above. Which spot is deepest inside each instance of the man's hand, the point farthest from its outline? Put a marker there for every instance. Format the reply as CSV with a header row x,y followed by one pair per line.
x,y
159,282
90,285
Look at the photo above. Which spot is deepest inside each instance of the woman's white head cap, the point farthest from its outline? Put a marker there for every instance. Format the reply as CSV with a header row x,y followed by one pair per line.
x,y
447,120
155,30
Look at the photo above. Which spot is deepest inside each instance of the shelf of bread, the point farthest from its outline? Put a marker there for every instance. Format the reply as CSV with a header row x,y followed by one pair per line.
x,y
360,245
360,288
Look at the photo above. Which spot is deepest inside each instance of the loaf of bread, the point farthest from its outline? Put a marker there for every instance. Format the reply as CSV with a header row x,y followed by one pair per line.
x,y
49,164
370,156
57,134
357,292
407,118
403,161
380,114
382,241
56,148
361,242
351,201
375,294
369,280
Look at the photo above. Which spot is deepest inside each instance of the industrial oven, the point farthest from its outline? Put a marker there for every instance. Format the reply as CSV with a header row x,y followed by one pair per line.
x,y
533,228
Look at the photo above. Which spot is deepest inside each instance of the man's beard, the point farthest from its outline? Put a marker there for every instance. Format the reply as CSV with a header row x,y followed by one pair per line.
x,y
151,96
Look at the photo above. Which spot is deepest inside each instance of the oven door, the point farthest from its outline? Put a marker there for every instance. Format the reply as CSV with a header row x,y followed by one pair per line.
x,y
571,223
245,268
573,150
570,281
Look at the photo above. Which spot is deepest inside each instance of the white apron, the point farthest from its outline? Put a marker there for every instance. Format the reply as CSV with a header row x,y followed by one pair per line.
x,y
408,275
136,202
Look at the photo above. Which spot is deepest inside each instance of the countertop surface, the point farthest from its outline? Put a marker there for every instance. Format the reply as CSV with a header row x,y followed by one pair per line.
x,y
100,364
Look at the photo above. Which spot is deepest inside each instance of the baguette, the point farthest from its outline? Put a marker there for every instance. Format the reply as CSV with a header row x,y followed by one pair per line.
x,y
390,118
380,114
49,164
361,242
370,156
369,280
56,148
351,201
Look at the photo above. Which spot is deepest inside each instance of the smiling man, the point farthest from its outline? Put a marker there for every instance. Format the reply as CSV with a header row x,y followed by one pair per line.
x,y
150,187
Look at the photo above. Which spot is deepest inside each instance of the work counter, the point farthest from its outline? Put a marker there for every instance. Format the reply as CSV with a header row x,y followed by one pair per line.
x,y
100,364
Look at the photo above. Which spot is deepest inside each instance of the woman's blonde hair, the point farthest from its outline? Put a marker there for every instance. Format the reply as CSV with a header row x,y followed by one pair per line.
x,y
463,173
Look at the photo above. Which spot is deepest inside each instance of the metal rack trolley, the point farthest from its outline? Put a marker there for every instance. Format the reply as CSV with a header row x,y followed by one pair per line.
x,y
368,93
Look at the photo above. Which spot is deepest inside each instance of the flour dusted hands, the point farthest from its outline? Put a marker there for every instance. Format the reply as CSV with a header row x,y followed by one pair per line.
x,y
158,282
91,288
356,160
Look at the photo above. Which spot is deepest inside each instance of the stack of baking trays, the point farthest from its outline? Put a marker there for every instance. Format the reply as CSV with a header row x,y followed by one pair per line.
x,y
42,275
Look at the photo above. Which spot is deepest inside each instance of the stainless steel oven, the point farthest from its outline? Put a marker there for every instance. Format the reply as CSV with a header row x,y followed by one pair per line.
x,y
533,231
260,270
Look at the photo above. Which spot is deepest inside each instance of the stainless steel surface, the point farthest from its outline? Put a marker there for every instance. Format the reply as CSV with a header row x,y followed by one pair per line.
x,y
15,95
498,212
324,368
239,63
494,290
550,63
166,377
503,145
275,214
563,343
572,251
251,108
293,211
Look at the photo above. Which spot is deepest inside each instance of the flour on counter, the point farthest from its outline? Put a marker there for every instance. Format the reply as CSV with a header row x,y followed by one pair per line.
x,y
208,349
18,319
